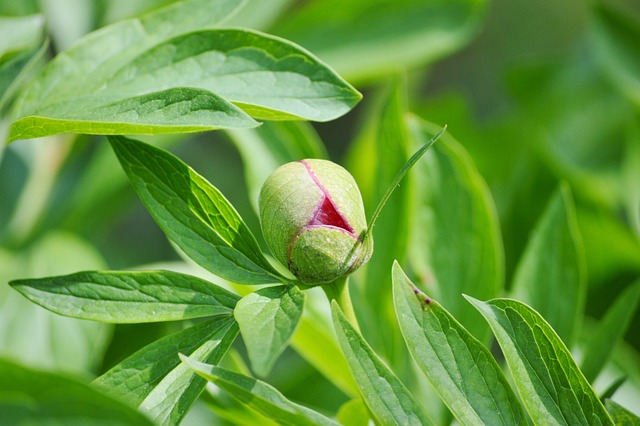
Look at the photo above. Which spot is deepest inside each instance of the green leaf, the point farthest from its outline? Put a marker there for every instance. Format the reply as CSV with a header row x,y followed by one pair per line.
x,y
193,213
551,386
272,144
175,110
353,413
387,398
459,366
19,34
611,329
259,395
267,320
184,84
620,415
30,397
456,246
15,71
615,40
386,34
154,379
128,297
551,275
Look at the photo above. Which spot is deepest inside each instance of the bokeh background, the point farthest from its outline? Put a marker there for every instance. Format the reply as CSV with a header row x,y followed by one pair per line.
x,y
537,92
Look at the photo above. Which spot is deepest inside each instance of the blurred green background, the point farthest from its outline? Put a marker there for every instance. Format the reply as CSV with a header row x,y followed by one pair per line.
x,y
537,92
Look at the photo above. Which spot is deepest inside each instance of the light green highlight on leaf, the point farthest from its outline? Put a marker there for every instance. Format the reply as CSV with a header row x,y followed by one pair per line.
x,y
459,366
387,398
128,297
551,386
194,214
260,396
267,319
551,275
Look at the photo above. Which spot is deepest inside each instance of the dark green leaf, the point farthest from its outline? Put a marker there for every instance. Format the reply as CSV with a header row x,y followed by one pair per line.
x,y
456,246
460,367
611,329
387,398
551,386
612,388
267,320
154,379
620,415
30,397
128,297
193,213
551,275
259,395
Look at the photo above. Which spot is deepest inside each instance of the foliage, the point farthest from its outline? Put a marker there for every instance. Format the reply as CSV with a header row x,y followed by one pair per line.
x,y
519,229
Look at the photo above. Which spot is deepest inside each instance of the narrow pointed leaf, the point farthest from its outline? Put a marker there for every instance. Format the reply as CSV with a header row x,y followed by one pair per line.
x,y
457,247
387,398
459,366
128,297
193,213
611,329
620,415
154,379
551,275
551,386
260,396
32,397
267,320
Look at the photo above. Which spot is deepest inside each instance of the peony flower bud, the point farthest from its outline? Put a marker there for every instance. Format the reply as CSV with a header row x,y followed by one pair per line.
x,y
313,220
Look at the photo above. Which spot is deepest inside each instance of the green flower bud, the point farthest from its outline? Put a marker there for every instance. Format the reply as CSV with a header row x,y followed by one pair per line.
x,y
313,220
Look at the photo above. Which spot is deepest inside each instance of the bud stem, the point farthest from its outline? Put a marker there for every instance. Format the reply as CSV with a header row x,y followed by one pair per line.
x,y
339,291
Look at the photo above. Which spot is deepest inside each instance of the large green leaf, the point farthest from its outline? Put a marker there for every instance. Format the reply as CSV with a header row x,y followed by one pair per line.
x,y
363,39
260,396
181,84
456,246
386,396
30,397
193,213
128,297
154,379
267,320
551,275
615,38
551,386
460,367
611,329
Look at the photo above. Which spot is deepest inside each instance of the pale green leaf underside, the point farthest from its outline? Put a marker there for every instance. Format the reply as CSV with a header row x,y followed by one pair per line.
x,y
31,397
620,415
266,76
128,297
460,367
259,396
386,396
175,110
551,386
136,376
193,213
551,276
267,320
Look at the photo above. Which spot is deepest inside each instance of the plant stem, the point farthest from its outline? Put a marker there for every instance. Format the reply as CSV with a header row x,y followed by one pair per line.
x,y
339,291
